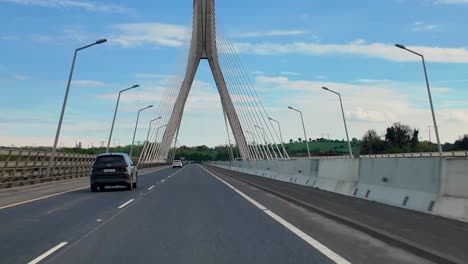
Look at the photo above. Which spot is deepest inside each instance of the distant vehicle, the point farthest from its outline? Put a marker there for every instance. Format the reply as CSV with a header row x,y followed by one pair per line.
x,y
239,159
111,169
177,163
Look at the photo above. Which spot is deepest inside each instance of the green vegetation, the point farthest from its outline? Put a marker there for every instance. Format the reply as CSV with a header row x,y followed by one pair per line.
x,y
321,147
399,138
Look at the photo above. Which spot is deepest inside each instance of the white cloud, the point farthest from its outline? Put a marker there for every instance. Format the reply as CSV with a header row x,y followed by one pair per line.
x,y
151,75
320,77
304,85
441,89
289,73
271,33
357,48
420,26
372,80
88,83
41,38
452,2
9,38
86,5
455,116
454,103
148,95
258,72
20,77
76,34
359,114
373,105
158,34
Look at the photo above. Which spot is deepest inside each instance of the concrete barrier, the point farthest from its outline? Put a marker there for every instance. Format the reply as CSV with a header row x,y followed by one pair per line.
x,y
430,185
403,182
340,176
453,199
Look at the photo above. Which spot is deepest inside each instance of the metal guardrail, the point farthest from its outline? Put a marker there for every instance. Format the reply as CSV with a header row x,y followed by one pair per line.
x,y
447,154
320,157
419,155
26,167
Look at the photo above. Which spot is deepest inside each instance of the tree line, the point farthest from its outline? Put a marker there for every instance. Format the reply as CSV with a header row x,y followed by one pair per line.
x,y
401,138
398,138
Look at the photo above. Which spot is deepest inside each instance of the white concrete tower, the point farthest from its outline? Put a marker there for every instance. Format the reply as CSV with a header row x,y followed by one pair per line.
x,y
203,46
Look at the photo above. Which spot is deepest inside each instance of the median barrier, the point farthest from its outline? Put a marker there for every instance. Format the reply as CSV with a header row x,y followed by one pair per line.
x,y
402,182
453,199
340,176
429,185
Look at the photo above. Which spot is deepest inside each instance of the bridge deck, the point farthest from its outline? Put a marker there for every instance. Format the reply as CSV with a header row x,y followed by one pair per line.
x,y
182,216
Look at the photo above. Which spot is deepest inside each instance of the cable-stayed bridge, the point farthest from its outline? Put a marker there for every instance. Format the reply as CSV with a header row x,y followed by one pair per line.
x,y
245,115
264,207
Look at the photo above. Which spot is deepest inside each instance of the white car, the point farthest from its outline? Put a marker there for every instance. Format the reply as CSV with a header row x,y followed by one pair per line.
x,y
177,163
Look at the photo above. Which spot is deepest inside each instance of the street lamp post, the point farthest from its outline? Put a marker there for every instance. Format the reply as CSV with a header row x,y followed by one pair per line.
x,y
149,128
281,135
136,126
428,92
303,127
146,144
344,120
155,150
115,114
59,127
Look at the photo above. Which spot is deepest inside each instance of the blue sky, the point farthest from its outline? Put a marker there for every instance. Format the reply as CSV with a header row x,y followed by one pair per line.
x,y
289,49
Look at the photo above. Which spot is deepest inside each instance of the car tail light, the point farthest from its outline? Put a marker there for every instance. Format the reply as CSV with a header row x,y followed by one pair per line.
x,y
123,167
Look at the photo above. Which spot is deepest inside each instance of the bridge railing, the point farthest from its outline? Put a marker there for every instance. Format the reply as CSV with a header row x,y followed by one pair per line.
x,y
25,167
320,157
447,154
419,155
20,167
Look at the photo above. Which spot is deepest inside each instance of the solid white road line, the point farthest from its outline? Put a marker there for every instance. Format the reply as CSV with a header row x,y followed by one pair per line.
x,y
125,204
314,243
48,253
150,188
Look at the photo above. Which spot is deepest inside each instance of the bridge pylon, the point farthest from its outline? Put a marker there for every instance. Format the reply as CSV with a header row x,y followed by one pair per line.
x,y
203,46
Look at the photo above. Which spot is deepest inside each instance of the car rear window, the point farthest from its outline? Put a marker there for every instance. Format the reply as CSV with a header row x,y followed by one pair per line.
x,y
110,160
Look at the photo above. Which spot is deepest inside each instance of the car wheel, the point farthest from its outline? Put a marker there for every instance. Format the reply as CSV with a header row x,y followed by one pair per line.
x,y
102,188
93,188
129,186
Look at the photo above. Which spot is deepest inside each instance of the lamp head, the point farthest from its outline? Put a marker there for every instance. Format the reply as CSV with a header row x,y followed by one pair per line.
x,y
400,46
101,41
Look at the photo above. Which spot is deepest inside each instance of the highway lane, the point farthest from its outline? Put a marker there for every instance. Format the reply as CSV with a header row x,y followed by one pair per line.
x,y
28,230
191,217
17,195
356,246
181,216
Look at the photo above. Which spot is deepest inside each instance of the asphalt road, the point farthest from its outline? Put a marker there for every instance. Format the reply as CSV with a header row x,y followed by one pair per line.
x,y
188,217
184,215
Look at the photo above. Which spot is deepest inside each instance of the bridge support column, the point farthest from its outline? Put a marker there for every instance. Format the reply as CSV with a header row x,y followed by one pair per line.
x,y
203,46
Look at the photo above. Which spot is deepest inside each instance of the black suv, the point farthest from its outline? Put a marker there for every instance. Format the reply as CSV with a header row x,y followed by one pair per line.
x,y
110,169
